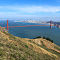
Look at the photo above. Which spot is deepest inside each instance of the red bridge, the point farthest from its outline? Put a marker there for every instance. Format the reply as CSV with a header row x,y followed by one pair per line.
x,y
27,25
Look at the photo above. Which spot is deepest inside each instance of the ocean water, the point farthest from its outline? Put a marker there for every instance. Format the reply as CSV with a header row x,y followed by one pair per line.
x,y
33,31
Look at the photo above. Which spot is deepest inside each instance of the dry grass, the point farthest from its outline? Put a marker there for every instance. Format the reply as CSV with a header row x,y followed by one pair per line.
x,y
15,48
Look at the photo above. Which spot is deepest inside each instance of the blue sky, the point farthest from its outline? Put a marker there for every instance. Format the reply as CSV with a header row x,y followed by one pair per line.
x,y
29,8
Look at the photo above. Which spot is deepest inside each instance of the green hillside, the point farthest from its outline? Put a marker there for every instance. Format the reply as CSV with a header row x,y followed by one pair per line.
x,y
15,48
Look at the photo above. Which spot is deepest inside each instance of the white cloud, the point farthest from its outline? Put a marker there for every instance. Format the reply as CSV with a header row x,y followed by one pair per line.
x,y
31,9
36,9
28,11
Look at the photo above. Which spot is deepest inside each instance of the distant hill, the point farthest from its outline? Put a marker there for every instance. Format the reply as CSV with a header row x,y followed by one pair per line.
x,y
57,23
29,21
16,48
54,22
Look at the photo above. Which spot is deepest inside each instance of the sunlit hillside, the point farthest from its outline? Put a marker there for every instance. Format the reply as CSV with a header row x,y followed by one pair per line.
x,y
16,48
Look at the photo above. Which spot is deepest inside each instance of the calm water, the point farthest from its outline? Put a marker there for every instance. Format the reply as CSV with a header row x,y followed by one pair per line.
x,y
32,32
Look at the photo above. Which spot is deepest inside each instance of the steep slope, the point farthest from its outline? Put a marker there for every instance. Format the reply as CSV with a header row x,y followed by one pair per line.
x,y
15,48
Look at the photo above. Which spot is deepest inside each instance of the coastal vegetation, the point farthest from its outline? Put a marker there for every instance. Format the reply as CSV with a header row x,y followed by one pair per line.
x,y
47,38
16,48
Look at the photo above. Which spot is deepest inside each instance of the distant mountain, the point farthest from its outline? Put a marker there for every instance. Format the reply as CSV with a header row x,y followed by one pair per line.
x,y
29,21
57,23
32,21
54,22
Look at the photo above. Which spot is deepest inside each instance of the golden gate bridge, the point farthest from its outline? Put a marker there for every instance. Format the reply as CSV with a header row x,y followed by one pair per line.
x,y
31,25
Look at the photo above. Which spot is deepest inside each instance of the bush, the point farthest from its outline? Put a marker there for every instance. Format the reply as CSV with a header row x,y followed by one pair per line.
x,y
26,46
49,40
37,37
44,38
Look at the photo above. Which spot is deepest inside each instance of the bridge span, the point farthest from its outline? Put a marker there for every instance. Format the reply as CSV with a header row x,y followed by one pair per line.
x,y
28,25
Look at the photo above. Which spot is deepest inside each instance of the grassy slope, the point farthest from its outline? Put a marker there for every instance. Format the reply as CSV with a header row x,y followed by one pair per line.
x,y
15,48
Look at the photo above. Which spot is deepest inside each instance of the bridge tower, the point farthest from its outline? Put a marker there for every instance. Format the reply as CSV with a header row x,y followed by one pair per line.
x,y
7,24
50,24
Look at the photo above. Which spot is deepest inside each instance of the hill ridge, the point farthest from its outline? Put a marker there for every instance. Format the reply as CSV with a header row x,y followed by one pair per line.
x,y
16,48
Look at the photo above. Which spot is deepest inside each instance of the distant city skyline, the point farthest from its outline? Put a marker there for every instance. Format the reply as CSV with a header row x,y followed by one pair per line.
x,y
10,9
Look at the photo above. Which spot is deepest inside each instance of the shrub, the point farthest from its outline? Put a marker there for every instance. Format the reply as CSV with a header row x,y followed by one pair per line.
x,y
49,40
26,46
44,38
37,37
